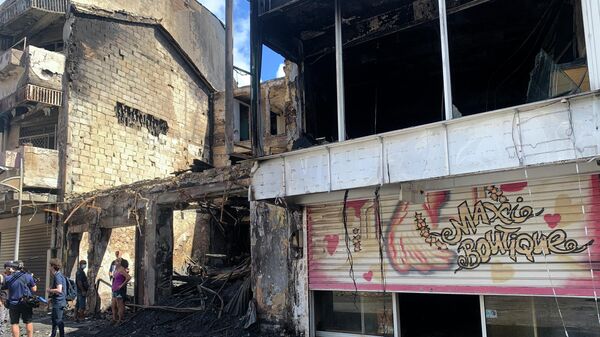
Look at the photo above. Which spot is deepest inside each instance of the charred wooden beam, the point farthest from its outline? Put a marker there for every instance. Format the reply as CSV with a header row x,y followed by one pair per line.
x,y
361,30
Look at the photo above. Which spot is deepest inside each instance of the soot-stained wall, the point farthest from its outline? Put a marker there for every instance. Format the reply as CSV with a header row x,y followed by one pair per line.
x,y
113,64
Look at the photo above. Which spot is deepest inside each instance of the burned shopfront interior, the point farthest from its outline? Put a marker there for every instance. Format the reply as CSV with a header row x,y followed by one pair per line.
x,y
502,53
190,242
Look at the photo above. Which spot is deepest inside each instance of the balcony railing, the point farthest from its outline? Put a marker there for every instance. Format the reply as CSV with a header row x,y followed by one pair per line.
x,y
37,94
32,94
15,10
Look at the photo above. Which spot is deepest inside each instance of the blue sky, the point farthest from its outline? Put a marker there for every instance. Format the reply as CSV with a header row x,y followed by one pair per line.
x,y
272,62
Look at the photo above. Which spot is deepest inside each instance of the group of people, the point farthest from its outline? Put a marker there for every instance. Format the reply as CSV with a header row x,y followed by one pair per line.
x,y
18,288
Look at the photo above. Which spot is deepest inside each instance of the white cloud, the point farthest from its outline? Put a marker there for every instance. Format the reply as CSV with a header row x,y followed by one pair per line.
x,y
241,35
217,7
280,71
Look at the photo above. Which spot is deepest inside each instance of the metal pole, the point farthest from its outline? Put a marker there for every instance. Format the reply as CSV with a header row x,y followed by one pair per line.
x,y
255,69
339,65
229,77
445,60
18,235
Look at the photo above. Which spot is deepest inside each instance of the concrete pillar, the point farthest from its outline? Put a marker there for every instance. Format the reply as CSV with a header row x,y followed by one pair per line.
x,y
157,242
201,245
97,243
279,279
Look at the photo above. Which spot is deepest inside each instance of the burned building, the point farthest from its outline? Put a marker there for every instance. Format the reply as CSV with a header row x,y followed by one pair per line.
x,y
451,183
97,94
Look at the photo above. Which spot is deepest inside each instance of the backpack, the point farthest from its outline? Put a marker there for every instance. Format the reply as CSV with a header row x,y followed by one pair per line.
x,y
71,289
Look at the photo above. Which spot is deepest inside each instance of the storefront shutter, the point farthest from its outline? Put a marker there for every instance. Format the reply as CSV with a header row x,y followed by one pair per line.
x,y
529,237
35,242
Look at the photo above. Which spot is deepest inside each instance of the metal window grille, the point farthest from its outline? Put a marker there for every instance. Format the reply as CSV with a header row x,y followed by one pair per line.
x,y
38,136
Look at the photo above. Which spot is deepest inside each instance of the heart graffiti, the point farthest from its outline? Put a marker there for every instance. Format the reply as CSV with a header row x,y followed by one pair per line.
x,y
368,275
552,220
332,242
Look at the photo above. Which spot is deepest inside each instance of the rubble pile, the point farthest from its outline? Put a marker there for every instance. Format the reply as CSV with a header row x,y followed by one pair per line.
x,y
204,303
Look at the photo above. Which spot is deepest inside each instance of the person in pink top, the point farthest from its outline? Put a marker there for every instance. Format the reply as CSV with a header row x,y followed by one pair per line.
x,y
119,290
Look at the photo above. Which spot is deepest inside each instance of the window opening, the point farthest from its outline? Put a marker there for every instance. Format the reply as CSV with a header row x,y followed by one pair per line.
x,y
505,55
242,121
342,312
277,123
38,136
538,317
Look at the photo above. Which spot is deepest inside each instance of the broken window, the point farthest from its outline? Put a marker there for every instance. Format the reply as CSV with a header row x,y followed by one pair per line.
x,y
392,78
241,117
506,55
502,54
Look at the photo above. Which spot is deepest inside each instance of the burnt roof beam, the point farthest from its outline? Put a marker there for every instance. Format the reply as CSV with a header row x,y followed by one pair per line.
x,y
361,30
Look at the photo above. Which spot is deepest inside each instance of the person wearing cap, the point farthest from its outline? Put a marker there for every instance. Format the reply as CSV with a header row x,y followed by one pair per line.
x,y
19,284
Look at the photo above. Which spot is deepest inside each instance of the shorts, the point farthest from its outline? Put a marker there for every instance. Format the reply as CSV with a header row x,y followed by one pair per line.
x,y
20,311
81,302
121,293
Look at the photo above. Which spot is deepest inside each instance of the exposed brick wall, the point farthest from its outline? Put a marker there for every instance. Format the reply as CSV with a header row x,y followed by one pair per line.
x,y
112,61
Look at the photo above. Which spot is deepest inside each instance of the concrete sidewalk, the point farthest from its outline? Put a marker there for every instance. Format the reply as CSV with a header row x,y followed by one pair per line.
x,y
42,326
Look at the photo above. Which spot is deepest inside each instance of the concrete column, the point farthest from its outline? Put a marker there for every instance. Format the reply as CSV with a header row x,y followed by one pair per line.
x,y
201,245
157,242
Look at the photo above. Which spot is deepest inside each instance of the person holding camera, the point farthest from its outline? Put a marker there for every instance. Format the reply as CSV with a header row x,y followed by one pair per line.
x,y
58,298
20,286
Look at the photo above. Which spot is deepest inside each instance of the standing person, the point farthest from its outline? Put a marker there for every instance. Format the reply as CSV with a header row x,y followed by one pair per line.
x,y
19,284
113,265
82,289
119,290
58,298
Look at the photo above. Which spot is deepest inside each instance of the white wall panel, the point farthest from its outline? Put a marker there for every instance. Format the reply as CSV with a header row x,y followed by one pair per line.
x,y
482,144
415,155
546,132
356,165
269,181
307,173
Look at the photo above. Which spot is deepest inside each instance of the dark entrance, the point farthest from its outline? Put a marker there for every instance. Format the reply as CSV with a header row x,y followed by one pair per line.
x,y
426,315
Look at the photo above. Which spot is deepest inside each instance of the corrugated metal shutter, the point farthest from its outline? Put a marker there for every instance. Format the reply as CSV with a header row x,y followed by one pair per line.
x,y
558,217
35,242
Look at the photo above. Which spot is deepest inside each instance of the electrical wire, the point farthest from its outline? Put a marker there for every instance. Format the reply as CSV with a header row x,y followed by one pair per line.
x,y
350,260
381,242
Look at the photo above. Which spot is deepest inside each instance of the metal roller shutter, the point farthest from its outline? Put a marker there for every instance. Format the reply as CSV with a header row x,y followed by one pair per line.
x,y
35,242
535,237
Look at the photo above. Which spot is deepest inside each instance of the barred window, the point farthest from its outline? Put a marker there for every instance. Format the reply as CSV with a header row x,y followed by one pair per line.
x,y
38,136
